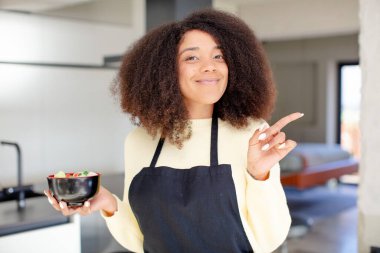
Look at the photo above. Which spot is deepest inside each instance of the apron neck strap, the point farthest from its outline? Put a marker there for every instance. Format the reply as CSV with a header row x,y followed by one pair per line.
x,y
213,149
157,153
214,140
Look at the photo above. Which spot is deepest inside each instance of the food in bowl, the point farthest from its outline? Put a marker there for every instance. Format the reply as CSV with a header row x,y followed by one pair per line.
x,y
84,173
74,188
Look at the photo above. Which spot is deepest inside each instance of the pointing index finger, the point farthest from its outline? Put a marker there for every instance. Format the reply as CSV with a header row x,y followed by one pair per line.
x,y
286,120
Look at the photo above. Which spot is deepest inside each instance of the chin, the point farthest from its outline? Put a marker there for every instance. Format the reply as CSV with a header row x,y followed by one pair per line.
x,y
209,100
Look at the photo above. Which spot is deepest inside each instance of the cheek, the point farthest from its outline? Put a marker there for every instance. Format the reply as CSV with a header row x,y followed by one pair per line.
x,y
224,70
182,79
185,73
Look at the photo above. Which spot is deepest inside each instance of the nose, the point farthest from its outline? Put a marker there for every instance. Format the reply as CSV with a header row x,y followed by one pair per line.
x,y
208,66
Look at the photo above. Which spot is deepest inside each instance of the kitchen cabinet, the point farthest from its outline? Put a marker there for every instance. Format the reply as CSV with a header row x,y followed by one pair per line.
x,y
37,228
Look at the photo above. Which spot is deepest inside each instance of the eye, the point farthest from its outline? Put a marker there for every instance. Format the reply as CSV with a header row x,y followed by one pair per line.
x,y
191,58
219,57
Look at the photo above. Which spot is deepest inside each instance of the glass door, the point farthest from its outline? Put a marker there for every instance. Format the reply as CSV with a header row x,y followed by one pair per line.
x,y
349,107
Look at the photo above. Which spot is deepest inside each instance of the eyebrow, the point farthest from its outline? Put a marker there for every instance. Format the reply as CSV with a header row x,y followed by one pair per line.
x,y
195,48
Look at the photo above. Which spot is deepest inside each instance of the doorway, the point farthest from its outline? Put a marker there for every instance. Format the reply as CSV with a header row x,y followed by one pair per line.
x,y
349,99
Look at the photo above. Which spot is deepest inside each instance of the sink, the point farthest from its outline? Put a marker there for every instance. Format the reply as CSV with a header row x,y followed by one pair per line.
x,y
12,193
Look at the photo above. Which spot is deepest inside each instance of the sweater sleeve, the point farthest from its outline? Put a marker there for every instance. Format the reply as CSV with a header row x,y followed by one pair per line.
x,y
268,213
267,209
123,224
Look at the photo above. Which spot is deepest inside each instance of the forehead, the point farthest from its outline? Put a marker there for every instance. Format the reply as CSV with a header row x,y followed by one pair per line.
x,y
197,38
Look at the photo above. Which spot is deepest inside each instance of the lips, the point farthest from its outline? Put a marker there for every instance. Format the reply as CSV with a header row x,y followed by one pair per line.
x,y
207,81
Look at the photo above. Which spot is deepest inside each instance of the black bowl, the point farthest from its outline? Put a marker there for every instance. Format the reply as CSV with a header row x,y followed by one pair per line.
x,y
74,190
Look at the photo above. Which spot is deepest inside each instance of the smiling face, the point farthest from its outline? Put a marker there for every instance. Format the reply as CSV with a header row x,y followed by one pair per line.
x,y
202,73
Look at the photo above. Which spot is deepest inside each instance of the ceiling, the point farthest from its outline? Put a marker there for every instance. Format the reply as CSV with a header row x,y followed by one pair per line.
x,y
39,5
270,19
48,5
106,11
296,19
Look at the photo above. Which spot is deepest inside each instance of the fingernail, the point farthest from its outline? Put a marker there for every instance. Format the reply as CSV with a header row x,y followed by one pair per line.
x,y
50,201
87,204
61,205
281,146
262,136
302,114
45,193
263,127
265,147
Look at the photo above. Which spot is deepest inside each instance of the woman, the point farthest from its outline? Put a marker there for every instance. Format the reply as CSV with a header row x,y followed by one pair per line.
x,y
201,170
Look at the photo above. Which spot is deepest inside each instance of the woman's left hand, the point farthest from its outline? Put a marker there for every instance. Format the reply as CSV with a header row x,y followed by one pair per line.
x,y
268,146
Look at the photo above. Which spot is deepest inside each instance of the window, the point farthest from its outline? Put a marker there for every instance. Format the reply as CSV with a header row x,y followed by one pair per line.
x,y
349,107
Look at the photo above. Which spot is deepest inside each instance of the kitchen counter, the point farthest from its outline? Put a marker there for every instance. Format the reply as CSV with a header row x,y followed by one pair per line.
x,y
37,228
37,214
44,224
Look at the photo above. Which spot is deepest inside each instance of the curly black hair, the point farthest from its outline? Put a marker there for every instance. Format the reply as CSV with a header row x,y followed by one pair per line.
x,y
147,82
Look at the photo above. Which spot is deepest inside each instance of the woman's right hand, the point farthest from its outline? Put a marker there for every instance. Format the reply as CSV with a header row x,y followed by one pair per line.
x,y
103,200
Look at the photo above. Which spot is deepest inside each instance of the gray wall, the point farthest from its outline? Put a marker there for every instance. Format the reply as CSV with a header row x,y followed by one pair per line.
x,y
306,75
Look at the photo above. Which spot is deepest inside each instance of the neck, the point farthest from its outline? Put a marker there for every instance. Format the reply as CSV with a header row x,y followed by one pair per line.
x,y
200,111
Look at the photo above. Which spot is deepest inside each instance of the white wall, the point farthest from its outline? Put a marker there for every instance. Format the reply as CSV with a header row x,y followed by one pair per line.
x,y
64,118
305,40
369,190
33,38
314,92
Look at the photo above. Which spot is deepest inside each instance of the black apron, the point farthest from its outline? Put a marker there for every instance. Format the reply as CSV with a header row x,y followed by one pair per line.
x,y
191,210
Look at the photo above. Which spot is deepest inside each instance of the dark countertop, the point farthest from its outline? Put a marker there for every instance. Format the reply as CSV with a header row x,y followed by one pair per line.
x,y
38,213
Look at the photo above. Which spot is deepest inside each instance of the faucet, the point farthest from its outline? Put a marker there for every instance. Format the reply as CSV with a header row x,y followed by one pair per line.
x,y
20,189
